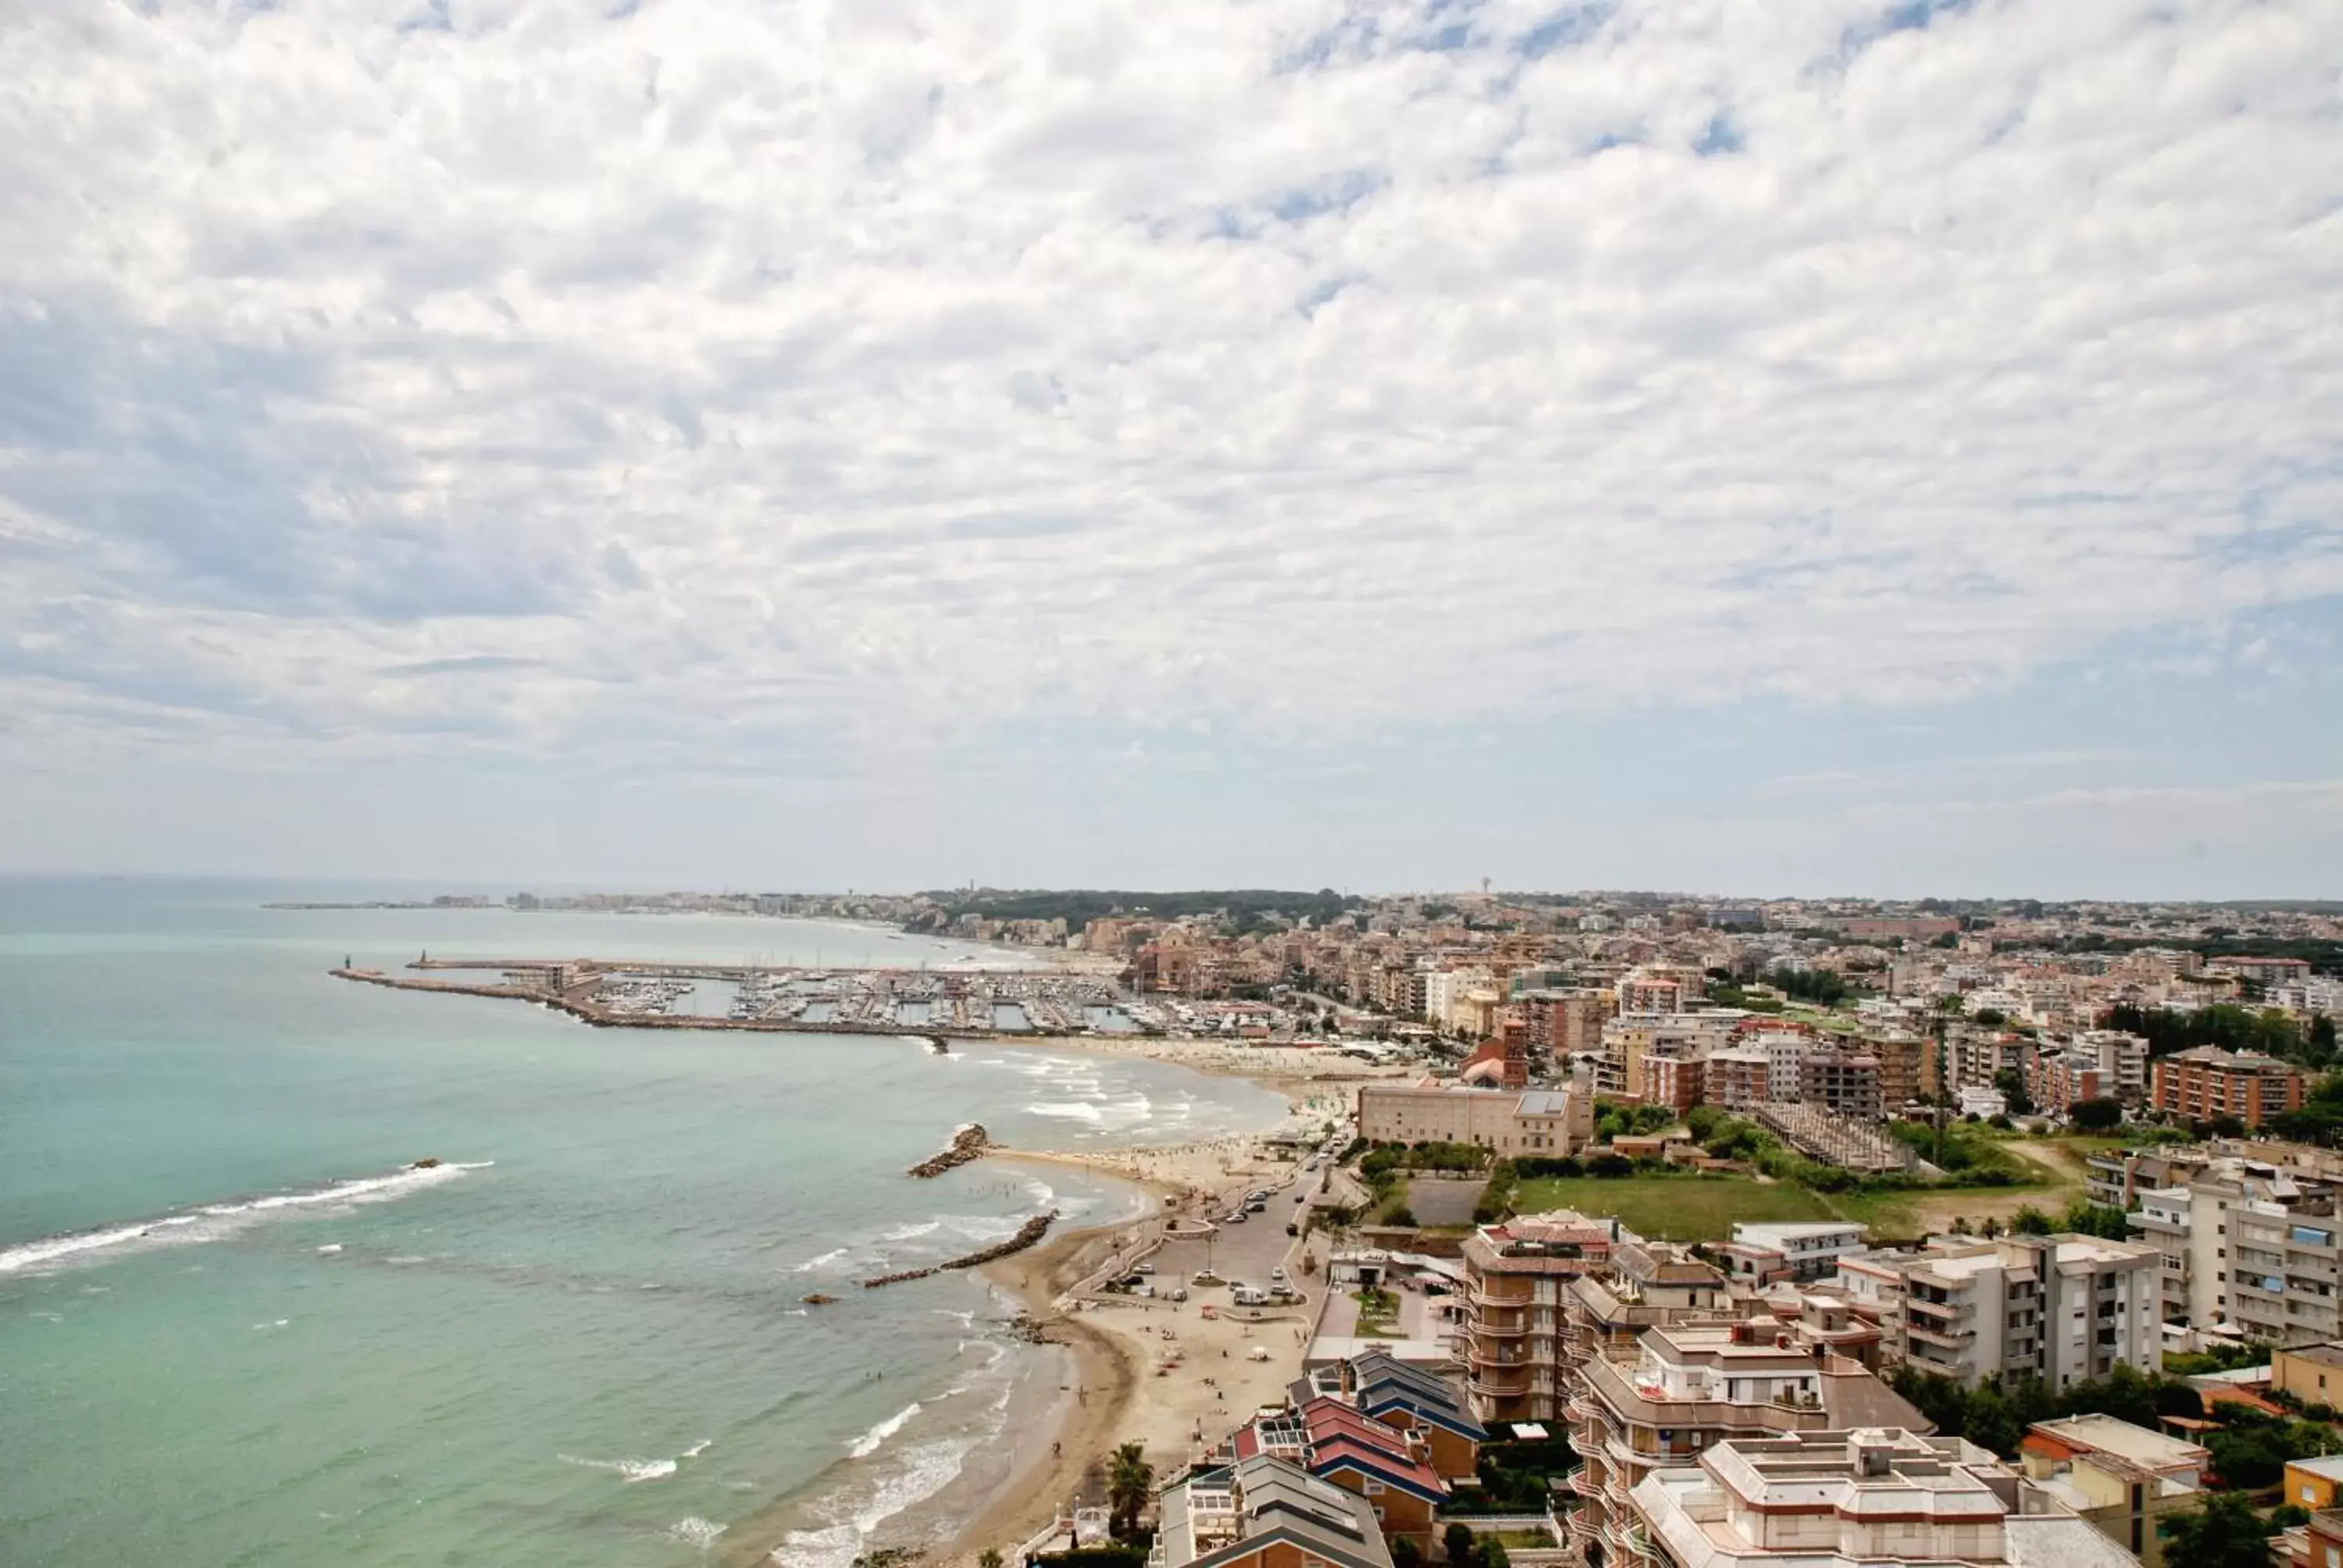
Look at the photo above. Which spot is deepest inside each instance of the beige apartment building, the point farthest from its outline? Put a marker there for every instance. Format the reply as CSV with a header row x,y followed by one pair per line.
x,y
1516,1277
1689,1387
1647,1285
1544,1121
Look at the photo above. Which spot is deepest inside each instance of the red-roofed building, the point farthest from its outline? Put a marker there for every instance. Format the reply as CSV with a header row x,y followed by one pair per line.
x,y
1381,1464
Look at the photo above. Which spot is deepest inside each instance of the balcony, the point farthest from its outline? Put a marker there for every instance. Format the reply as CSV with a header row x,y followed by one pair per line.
x,y
1944,1312
1609,1386
1487,1292
1950,1338
1491,1383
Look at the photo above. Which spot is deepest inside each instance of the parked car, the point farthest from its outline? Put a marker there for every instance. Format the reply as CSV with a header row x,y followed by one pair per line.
x,y
1146,1268
1179,1292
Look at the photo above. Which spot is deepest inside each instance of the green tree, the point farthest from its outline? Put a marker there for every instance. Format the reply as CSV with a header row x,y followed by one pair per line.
x,y
2225,1533
1129,1483
2096,1115
1405,1553
988,1558
1457,1540
2030,1221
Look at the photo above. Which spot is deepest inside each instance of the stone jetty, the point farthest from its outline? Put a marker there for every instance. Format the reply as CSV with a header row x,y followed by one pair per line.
x,y
968,1143
1031,1232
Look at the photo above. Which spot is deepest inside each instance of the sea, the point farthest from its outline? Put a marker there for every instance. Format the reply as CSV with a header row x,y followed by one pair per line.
x,y
238,1328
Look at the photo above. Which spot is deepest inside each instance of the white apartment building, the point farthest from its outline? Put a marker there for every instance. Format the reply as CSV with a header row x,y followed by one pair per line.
x,y
2065,1309
1444,991
1809,1249
2249,1243
1873,1495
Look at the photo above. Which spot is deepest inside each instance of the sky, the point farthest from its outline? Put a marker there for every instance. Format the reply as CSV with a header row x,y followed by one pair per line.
x,y
1763,446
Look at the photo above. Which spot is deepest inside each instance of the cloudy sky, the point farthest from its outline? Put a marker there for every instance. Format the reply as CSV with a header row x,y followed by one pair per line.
x,y
1750,444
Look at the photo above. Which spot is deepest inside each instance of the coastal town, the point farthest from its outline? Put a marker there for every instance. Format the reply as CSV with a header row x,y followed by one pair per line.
x,y
1627,1230
1650,1231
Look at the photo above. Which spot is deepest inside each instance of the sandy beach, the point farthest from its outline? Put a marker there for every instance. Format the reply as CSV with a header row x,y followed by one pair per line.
x,y
1157,1374
1160,1373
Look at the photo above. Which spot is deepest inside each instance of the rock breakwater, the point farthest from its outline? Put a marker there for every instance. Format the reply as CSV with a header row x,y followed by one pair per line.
x,y
968,1143
1031,1232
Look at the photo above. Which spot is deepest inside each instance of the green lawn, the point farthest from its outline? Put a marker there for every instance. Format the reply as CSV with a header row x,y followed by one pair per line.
x,y
1679,1208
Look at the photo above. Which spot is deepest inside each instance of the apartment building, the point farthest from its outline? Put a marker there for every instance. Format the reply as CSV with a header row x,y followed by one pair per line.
x,y
1515,1274
2226,1229
1764,1252
1647,1285
1536,1121
1265,1513
1672,1081
2065,1309
1565,1023
1826,1500
2207,1082
2283,1266
1689,1387
1739,1078
2095,1064
1975,1058
1907,1067
2115,1179
1844,1079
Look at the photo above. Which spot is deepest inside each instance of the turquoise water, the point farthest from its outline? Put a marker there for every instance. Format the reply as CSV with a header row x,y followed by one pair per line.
x,y
585,1347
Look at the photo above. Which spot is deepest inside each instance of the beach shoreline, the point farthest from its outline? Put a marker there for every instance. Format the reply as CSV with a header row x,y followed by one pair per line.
x,y
1095,1390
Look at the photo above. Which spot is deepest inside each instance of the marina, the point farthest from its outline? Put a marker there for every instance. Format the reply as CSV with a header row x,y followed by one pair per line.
x,y
785,998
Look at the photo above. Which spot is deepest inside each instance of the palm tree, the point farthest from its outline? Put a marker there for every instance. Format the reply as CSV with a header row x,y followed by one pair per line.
x,y
1130,1485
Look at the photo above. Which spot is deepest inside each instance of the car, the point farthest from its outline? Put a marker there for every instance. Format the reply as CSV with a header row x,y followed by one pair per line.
x,y
1144,1291
1147,1268
1278,1273
1302,1196
1202,1277
1179,1292
1238,1217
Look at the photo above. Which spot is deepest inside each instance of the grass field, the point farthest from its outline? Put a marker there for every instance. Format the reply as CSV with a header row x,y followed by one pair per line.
x,y
1680,1208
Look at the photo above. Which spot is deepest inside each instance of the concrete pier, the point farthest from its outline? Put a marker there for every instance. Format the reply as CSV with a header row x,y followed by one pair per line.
x,y
780,998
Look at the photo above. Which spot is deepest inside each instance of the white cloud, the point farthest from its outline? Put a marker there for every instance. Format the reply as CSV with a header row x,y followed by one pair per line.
x,y
739,373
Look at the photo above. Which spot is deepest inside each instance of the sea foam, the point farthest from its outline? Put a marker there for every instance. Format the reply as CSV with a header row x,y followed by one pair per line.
x,y
215,1221
866,1446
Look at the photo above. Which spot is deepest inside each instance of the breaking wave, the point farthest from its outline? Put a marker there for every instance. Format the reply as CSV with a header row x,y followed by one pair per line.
x,y
215,1220
866,1446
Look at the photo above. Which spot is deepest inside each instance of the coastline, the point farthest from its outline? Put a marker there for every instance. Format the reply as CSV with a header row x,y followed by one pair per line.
x,y
1091,1389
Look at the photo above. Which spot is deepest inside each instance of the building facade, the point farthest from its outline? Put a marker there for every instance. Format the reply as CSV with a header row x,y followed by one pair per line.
x,y
1537,1122
2207,1082
2065,1309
